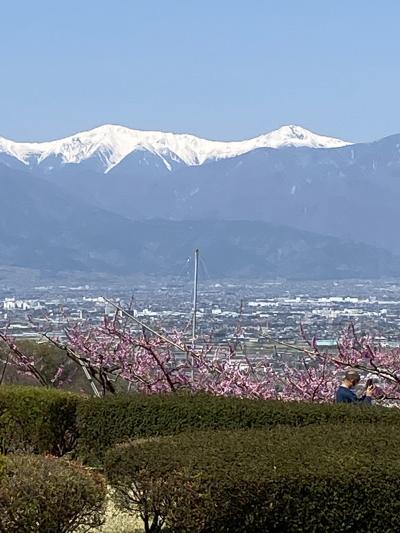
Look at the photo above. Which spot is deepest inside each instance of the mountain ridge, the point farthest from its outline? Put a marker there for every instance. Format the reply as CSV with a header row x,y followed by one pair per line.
x,y
112,143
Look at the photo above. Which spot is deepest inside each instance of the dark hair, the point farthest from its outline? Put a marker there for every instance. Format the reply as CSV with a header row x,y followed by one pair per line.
x,y
353,376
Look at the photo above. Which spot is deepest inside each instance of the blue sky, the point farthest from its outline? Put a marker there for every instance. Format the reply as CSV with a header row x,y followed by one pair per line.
x,y
222,69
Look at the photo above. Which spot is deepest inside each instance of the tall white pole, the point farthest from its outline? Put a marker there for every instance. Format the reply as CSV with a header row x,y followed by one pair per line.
x,y
194,318
196,277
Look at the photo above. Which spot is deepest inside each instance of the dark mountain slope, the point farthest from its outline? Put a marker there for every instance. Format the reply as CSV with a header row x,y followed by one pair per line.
x,y
352,192
43,227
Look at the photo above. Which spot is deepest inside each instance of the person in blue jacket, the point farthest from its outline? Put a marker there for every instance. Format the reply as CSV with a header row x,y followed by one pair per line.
x,y
346,394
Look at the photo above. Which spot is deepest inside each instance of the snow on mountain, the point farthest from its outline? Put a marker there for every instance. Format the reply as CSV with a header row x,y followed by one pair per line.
x,y
110,144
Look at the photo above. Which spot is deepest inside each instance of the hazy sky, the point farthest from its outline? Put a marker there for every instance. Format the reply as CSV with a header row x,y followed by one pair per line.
x,y
223,69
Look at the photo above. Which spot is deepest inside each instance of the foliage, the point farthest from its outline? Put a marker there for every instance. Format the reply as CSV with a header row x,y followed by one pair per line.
x,y
48,495
40,363
330,478
37,420
35,362
102,423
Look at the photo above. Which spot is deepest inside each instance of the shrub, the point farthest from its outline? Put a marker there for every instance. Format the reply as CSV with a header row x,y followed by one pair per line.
x,y
102,423
37,420
49,495
47,359
329,478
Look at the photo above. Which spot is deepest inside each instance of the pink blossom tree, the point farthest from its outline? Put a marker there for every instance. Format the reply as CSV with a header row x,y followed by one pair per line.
x,y
116,357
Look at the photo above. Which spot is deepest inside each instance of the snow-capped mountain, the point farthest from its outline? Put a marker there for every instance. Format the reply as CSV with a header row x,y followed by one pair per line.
x,y
350,191
108,145
91,194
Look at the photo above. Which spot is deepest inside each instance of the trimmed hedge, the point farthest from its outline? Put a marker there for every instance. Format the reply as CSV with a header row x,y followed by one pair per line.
x,y
37,420
49,495
102,423
332,478
40,420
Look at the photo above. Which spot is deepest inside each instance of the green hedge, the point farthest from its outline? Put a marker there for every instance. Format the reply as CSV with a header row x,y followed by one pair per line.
x,y
331,479
37,420
49,495
102,423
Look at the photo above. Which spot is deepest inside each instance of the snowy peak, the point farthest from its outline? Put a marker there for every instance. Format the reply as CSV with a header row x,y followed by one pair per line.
x,y
298,136
108,145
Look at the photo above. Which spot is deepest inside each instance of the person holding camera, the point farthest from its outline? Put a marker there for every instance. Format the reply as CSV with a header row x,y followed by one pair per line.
x,y
346,394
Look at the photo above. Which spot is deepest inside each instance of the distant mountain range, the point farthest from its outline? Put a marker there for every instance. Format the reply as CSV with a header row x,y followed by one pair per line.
x,y
288,203
105,147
